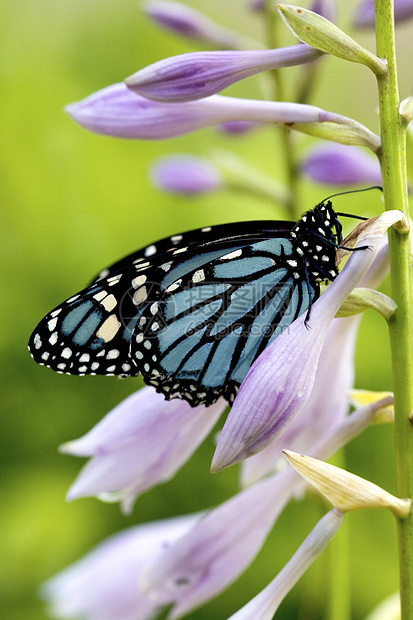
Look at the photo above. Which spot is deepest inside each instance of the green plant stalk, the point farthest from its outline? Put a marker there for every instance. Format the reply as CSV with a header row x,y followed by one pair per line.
x,y
393,164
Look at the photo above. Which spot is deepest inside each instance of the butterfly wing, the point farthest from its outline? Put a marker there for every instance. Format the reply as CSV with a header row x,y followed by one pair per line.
x,y
91,332
200,337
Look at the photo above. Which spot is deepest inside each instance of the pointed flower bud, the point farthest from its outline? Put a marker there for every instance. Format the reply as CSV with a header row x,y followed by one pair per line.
x,y
190,23
168,431
364,17
117,111
280,381
266,603
344,490
320,33
185,174
201,74
337,164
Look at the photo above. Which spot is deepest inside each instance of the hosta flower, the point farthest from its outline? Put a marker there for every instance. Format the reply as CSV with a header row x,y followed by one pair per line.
x,y
201,74
324,408
337,164
221,545
265,406
185,174
117,111
140,443
104,584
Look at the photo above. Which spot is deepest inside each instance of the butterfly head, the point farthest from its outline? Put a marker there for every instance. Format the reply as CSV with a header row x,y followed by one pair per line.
x,y
317,236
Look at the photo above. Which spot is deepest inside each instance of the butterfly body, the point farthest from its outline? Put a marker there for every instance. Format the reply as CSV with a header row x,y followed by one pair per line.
x,y
193,311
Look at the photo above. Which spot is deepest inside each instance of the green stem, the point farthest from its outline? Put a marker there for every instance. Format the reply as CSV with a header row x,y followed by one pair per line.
x,y
393,161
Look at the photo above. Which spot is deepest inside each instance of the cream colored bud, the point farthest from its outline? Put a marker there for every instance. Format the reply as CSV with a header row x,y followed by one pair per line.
x,y
344,490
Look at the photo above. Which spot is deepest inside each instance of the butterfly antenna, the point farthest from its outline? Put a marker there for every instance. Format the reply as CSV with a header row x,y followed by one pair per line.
x,y
353,191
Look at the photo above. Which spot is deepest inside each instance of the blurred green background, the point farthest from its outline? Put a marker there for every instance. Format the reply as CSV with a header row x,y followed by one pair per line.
x,y
72,202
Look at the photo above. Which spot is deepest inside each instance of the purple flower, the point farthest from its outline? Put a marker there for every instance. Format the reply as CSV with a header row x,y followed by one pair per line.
x,y
117,111
189,560
214,552
265,604
220,546
185,174
337,164
280,381
364,17
104,584
323,410
140,443
187,22
201,74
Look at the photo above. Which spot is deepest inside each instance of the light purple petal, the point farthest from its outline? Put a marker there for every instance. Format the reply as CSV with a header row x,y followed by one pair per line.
x,y
201,74
265,604
187,22
364,17
338,164
280,381
185,174
140,443
324,408
117,111
224,542
104,584
219,547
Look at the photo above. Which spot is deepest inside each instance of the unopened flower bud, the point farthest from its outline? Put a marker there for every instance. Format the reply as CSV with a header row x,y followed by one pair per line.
x,y
344,490
322,34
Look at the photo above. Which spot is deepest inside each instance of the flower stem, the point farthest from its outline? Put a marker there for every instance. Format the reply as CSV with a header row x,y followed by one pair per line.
x,y
393,162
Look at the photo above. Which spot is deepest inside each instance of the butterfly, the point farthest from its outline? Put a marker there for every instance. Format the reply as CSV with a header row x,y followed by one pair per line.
x,y
192,312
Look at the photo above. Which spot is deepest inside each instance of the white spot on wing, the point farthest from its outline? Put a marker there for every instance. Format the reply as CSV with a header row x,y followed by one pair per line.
x,y
109,303
99,296
140,295
113,354
232,255
138,281
198,276
150,250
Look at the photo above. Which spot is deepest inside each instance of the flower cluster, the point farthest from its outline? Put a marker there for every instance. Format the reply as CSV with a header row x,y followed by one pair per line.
x,y
294,397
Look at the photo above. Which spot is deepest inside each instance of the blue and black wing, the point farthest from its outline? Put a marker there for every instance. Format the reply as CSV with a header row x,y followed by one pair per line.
x,y
91,332
216,314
